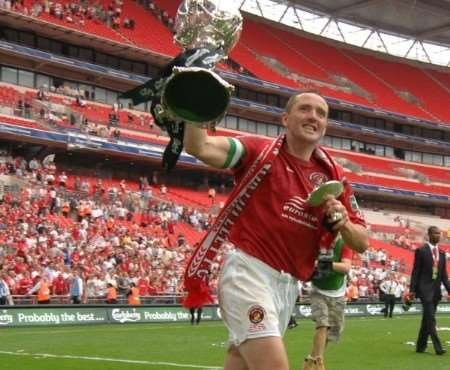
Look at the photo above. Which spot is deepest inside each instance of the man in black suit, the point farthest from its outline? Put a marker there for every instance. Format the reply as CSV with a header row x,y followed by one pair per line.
x,y
428,273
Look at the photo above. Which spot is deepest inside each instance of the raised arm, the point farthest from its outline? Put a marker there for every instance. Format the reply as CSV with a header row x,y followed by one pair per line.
x,y
216,151
355,236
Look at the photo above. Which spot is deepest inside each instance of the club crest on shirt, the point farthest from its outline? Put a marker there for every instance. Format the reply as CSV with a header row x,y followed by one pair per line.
x,y
256,314
318,178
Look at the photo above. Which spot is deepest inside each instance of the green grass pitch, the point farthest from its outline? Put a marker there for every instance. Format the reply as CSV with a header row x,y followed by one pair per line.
x,y
367,344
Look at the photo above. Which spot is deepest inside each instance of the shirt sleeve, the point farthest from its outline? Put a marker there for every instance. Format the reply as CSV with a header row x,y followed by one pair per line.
x,y
252,146
347,253
350,203
235,154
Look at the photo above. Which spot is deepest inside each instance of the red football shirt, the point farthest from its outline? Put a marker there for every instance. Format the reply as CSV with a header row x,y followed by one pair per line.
x,y
276,225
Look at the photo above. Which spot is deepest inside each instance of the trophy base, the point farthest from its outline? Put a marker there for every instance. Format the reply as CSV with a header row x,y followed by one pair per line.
x,y
324,266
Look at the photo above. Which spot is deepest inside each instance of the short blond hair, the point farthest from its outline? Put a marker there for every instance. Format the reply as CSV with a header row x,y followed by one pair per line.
x,y
293,97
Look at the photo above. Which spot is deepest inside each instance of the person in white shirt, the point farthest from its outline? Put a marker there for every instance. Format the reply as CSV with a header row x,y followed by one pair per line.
x,y
5,294
389,288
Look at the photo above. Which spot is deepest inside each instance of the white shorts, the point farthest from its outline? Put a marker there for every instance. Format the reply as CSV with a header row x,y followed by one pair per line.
x,y
255,299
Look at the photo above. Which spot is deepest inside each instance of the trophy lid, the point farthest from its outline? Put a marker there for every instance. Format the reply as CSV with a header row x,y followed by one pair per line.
x,y
208,23
335,188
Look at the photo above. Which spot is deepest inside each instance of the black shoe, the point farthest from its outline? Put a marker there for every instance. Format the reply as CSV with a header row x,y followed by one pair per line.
x,y
420,350
440,352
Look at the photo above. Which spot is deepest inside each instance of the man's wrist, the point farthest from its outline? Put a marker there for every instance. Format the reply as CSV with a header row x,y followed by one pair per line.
x,y
346,226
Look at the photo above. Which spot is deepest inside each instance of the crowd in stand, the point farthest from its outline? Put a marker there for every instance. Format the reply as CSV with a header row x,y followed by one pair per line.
x,y
75,12
44,109
364,283
106,233
56,229
380,258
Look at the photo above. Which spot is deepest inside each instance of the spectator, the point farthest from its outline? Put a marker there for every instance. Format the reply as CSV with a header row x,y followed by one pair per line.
x,y
42,288
20,108
80,101
163,190
212,195
27,109
5,295
133,295
76,287
389,288
41,95
111,294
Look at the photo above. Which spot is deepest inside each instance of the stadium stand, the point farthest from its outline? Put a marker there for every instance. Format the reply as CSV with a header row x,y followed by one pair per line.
x,y
160,37
370,81
73,15
97,217
138,126
403,77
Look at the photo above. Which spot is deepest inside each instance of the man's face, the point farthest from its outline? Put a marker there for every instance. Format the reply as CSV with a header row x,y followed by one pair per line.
x,y
307,119
434,235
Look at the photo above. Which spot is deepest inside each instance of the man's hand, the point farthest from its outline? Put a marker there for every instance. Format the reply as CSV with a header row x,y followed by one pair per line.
x,y
335,212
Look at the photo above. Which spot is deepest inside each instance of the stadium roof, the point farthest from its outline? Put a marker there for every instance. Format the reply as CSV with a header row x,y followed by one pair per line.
x,y
414,29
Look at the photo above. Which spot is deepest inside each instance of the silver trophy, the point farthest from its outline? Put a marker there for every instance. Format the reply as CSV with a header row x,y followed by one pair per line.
x,y
208,24
186,90
207,30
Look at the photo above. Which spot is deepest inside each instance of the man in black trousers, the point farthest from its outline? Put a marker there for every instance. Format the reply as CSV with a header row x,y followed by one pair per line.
x,y
428,273
389,287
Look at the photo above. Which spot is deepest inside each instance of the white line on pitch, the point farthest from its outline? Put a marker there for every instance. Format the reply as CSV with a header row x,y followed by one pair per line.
x,y
107,359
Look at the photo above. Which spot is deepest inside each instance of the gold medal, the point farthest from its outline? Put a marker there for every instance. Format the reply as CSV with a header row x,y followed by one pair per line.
x,y
435,273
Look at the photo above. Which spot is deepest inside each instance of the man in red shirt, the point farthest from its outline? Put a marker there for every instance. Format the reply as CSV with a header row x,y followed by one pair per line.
x,y
276,234
25,283
144,286
60,285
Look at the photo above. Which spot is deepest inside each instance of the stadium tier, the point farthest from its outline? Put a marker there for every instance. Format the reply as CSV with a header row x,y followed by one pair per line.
x,y
57,13
171,6
338,72
280,50
148,32
244,56
95,118
402,77
319,63
390,166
